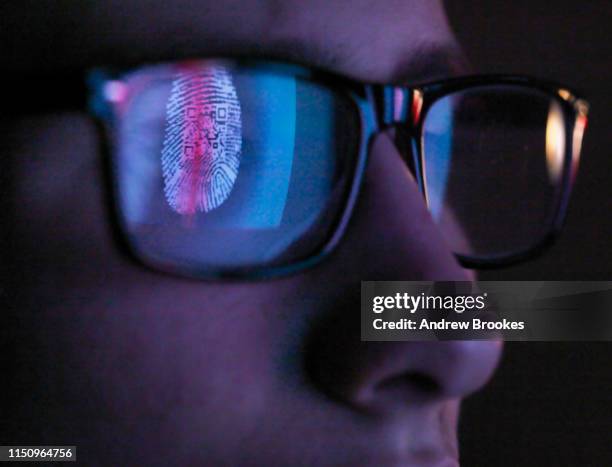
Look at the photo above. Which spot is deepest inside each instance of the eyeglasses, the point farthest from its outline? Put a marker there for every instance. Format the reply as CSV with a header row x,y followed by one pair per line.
x,y
236,168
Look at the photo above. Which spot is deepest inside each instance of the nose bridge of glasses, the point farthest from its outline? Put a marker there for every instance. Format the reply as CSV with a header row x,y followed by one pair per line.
x,y
393,105
398,110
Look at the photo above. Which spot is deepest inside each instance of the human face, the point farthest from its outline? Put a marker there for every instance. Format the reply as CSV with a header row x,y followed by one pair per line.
x,y
138,367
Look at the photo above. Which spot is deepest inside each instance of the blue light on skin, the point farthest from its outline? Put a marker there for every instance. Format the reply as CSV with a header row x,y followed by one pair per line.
x,y
438,142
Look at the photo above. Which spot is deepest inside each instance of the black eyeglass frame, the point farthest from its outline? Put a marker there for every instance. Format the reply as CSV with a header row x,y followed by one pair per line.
x,y
378,109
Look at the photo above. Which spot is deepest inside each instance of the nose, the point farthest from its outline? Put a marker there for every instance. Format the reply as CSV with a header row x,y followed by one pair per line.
x,y
391,237
387,376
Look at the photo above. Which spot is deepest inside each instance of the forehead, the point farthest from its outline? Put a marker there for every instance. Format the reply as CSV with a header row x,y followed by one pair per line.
x,y
366,39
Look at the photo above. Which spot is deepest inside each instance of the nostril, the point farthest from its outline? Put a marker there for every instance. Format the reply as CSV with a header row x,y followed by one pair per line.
x,y
413,382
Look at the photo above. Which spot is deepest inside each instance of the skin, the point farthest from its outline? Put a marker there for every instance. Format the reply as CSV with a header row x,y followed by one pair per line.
x,y
138,367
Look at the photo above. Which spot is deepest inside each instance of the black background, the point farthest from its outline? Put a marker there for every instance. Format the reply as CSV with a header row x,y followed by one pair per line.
x,y
550,403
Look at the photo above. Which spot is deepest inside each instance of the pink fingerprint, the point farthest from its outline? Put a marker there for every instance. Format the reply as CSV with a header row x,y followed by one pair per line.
x,y
203,139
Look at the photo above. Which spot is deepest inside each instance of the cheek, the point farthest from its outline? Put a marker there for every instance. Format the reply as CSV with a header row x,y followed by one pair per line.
x,y
60,221
65,255
126,330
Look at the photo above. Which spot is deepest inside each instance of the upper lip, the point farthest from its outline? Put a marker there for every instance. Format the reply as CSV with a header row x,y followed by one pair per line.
x,y
432,440
436,451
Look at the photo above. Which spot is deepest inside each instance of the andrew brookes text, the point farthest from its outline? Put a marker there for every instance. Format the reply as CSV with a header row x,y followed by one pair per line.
x,y
457,303
511,310
425,324
426,311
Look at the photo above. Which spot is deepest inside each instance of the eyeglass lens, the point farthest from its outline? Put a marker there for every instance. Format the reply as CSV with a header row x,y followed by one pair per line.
x,y
220,165
494,159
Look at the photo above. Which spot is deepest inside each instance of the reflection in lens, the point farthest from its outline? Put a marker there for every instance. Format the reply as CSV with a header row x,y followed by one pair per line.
x,y
222,166
440,136
555,141
201,152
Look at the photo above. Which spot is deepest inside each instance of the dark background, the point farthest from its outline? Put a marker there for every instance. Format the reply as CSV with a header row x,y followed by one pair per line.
x,y
550,404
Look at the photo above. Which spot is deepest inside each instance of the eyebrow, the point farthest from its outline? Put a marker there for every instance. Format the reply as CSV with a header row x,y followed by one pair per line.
x,y
307,53
425,62
62,82
68,91
430,62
